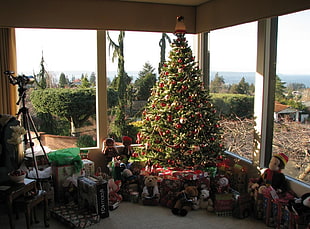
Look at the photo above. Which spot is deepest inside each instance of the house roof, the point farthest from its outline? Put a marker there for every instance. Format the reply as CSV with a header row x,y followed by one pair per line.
x,y
281,108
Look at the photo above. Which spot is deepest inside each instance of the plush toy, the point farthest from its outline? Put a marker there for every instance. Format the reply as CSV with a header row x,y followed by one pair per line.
x,y
109,150
273,175
223,184
126,151
301,206
184,200
150,193
205,201
130,181
114,197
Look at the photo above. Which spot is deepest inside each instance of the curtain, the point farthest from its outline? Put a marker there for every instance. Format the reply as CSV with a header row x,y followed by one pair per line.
x,y
8,92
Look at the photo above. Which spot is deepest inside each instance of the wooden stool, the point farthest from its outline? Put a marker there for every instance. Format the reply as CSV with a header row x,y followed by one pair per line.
x,y
29,204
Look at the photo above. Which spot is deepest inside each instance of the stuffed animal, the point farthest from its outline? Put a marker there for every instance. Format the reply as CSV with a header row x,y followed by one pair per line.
x,y
114,197
273,175
126,151
223,184
130,181
150,190
184,200
301,206
205,201
109,150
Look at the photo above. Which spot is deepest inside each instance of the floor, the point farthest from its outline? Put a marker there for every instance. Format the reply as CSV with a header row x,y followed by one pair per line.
x,y
134,215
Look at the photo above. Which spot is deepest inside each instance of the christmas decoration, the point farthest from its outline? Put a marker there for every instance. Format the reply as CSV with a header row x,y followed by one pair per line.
x,y
180,124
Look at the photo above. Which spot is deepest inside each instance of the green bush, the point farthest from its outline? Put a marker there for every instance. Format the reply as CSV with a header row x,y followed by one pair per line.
x,y
85,141
234,105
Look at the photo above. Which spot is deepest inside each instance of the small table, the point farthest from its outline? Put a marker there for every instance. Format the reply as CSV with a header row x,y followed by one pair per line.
x,y
13,191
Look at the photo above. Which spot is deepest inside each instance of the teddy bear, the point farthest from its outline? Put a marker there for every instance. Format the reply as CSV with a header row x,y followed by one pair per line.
x,y
150,192
109,150
184,200
273,176
205,201
129,183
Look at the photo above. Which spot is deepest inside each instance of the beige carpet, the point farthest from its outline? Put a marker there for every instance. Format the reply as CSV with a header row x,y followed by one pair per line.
x,y
133,216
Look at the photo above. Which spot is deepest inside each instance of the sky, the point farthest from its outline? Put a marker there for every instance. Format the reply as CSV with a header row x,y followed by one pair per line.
x,y
231,49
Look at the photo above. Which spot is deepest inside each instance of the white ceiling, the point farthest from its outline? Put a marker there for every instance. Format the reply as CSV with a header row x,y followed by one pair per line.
x,y
173,2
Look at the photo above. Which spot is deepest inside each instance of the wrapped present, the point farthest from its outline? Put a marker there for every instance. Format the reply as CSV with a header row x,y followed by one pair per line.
x,y
75,217
268,214
283,217
242,205
223,204
62,176
93,195
88,167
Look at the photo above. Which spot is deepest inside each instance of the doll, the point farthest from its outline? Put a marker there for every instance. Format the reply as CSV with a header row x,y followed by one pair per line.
x,y
273,176
109,149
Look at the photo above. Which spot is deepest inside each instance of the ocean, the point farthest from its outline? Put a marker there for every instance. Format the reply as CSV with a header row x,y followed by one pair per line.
x,y
235,77
229,77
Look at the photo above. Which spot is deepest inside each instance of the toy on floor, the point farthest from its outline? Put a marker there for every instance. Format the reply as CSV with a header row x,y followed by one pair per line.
x,y
114,197
205,201
184,200
273,175
150,193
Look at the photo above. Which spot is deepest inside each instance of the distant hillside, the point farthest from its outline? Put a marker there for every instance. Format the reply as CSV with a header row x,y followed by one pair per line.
x,y
229,77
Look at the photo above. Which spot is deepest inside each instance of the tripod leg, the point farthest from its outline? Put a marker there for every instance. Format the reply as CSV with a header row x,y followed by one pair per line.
x,y
37,136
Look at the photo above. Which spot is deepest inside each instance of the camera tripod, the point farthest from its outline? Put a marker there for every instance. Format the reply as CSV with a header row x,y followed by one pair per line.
x,y
26,119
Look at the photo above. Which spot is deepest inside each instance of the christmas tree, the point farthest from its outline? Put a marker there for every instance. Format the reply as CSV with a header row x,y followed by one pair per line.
x,y
180,124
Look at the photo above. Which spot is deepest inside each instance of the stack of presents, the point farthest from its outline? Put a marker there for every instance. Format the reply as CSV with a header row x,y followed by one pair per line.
x,y
223,189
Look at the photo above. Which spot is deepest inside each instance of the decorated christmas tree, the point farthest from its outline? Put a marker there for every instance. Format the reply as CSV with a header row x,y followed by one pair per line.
x,y
180,124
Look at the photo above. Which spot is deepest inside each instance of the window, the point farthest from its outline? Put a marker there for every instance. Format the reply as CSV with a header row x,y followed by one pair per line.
x,y
64,63
232,75
139,49
291,127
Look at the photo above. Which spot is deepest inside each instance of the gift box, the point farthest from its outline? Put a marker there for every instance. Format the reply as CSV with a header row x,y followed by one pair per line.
x,y
88,167
93,195
60,176
258,205
223,204
74,216
242,205
269,214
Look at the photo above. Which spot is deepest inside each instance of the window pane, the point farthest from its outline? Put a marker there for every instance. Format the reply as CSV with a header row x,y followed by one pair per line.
x,y
62,101
291,127
232,69
142,53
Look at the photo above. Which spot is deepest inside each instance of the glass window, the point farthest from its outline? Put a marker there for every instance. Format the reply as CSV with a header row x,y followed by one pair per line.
x,y
232,75
62,100
291,115
142,53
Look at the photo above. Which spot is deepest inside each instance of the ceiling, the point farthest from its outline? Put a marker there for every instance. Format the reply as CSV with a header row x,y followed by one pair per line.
x,y
172,2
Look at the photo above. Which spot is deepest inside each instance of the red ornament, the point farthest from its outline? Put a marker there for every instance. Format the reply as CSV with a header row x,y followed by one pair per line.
x,y
163,104
180,60
179,126
157,117
161,85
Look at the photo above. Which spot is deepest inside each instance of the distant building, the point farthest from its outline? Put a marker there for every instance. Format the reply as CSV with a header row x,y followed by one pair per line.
x,y
286,113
